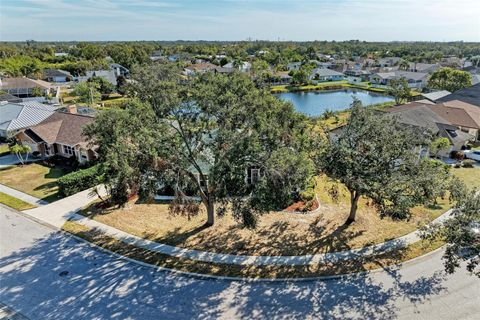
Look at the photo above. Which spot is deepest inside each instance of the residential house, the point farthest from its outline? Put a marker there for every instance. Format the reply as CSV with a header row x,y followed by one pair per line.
x,y
57,75
464,115
7,97
294,66
417,80
423,67
354,76
245,66
107,74
388,61
469,95
198,68
60,134
422,117
119,70
25,87
156,55
323,75
18,116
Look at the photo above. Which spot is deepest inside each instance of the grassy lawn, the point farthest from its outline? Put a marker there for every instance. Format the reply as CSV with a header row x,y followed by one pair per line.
x,y
4,149
277,233
270,271
14,203
326,86
35,179
470,176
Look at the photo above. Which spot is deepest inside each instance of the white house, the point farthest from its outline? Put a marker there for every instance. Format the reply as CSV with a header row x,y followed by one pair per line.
x,y
323,75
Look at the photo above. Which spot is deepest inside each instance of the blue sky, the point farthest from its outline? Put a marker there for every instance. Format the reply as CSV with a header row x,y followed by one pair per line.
x,y
370,20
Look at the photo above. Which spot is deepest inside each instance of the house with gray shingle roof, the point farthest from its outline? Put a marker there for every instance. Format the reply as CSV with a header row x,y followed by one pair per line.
x,y
416,80
323,75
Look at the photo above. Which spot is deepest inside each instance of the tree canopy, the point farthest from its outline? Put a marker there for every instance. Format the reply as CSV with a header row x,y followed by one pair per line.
x,y
450,79
376,157
217,137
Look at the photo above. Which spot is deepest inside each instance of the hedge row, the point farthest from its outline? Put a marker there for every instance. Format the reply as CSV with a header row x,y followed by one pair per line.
x,y
78,181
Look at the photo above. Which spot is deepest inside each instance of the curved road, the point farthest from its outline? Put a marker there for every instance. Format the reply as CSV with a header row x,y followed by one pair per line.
x,y
47,275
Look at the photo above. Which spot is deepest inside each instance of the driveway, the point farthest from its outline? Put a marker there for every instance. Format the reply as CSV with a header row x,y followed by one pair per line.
x,y
11,159
45,274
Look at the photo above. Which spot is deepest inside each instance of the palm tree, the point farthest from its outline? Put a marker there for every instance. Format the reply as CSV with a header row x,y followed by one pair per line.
x,y
19,150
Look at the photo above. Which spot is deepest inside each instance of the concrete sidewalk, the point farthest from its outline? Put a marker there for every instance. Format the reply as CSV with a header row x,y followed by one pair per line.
x,y
22,196
59,212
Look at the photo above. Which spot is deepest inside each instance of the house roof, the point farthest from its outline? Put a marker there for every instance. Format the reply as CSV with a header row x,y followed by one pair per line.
x,y
9,98
456,116
13,83
56,73
16,116
468,114
107,74
403,74
326,72
469,95
436,95
63,128
425,116
205,66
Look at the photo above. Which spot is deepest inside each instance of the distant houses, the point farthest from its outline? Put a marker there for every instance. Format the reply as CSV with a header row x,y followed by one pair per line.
x,y
23,87
416,80
323,75
57,75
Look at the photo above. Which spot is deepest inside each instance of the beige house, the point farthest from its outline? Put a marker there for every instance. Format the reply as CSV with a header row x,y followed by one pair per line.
x,y
60,134
24,87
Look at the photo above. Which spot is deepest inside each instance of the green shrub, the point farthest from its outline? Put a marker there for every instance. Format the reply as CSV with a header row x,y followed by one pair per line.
x,y
307,195
468,163
78,181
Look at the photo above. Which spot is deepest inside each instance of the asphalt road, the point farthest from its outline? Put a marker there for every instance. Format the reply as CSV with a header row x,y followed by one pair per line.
x,y
47,275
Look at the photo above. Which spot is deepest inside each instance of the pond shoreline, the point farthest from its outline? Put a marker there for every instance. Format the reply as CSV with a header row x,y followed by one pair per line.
x,y
315,102
325,86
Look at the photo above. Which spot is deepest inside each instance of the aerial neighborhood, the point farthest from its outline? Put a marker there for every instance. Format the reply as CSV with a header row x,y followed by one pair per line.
x,y
242,159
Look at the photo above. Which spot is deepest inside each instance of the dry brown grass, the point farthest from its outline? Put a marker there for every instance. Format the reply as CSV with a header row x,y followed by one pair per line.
x,y
277,233
357,265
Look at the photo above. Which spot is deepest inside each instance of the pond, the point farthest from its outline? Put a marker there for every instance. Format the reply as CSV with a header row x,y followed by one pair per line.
x,y
314,103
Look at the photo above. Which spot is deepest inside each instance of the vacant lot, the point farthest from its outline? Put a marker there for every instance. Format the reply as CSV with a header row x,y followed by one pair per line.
x,y
35,179
278,233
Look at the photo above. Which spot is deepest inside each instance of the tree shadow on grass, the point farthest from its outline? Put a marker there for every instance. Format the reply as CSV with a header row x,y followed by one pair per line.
x,y
56,277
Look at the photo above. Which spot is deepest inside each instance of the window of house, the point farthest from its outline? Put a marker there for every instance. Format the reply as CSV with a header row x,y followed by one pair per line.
x,y
68,150
47,150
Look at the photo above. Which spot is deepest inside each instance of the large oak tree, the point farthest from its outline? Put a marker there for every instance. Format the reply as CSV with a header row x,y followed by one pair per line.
x,y
377,157
203,136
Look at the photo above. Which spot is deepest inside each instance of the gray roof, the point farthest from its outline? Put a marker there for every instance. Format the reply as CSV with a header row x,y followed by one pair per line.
x,y
403,74
422,116
107,74
16,116
433,96
9,98
469,95
326,72
56,73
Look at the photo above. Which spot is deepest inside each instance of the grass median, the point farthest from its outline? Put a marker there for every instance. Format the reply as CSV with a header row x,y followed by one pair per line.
x,y
268,272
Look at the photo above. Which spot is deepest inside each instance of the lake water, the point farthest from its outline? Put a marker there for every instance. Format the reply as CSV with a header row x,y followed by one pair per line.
x,y
314,103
